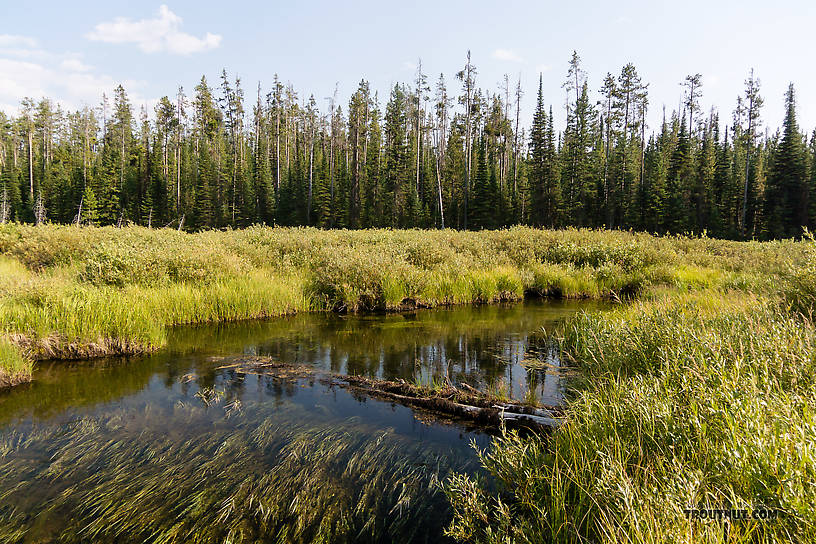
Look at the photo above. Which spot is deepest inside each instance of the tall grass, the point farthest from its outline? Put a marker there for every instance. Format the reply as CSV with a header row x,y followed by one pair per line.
x,y
78,292
685,401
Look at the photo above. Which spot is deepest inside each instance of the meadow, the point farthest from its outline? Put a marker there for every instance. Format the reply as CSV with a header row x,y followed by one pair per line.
x,y
699,390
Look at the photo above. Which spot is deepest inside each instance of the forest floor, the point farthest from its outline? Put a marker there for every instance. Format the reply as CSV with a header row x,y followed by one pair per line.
x,y
700,393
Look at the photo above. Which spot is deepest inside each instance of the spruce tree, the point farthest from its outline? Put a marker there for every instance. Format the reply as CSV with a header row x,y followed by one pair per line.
x,y
89,207
675,211
538,140
482,205
786,194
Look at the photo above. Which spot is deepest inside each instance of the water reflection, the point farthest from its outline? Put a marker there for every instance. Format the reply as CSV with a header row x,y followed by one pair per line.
x,y
490,346
173,447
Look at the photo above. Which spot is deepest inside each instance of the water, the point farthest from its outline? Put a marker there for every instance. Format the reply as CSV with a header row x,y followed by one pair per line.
x,y
172,448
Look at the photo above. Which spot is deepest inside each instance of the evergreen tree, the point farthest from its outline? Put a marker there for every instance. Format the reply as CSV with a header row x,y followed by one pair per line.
x,y
466,165
675,211
482,209
786,194
89,207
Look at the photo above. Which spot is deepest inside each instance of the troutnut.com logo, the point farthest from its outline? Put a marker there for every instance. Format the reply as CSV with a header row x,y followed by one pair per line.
x,y
756,513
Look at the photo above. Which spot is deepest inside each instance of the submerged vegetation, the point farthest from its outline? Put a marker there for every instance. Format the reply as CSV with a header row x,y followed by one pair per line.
x,y
207,470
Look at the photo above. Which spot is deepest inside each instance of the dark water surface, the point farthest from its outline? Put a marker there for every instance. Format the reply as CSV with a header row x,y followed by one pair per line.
x,y
171,448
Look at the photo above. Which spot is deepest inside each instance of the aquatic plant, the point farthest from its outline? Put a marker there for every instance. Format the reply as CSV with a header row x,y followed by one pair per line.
x,y
204,474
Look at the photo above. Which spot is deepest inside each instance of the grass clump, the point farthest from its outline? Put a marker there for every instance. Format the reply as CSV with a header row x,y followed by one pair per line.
x,y
686,400
15,367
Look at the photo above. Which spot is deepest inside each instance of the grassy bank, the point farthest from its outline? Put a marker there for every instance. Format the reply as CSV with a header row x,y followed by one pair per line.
x,y
686,400
69,292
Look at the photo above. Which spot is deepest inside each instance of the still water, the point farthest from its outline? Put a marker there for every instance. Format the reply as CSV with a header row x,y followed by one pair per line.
x,y
173,447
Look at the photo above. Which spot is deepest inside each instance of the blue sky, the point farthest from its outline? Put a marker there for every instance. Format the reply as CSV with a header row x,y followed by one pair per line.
x,y
73,51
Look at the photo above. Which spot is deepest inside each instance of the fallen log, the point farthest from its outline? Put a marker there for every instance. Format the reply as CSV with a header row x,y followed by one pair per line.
x,y
480,410
464,402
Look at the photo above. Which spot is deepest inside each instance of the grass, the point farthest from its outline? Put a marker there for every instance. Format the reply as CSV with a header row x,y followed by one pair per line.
x,y
700,392
70,292
685,400
206,471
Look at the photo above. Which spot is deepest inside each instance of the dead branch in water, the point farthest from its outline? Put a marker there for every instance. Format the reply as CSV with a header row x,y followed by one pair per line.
x,y
464,402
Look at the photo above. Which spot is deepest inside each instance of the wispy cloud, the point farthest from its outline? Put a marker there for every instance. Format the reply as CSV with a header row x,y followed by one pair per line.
x,y
162,33
10,40
543,68
74,65
28,71
507,55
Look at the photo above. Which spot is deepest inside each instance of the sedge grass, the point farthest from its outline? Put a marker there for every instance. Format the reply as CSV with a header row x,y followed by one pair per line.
x,y
685,400
78,292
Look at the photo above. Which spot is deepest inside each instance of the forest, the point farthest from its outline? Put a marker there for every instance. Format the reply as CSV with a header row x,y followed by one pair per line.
x,y
433,154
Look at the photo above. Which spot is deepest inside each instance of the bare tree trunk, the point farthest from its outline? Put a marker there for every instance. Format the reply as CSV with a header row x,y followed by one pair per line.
x,y
277,145
468,86
642,161
439,193
748,142
178,156
515,138
31,162
311,169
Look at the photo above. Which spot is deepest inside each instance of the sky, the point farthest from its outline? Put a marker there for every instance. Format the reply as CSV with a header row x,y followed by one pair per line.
x,y
74,51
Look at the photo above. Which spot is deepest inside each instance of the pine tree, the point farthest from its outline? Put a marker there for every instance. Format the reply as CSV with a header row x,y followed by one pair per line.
x,y
545,200
482,209
676,208
539,214
786,194
89,208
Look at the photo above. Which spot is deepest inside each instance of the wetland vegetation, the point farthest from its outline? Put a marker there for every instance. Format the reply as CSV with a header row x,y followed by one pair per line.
x,y
697,390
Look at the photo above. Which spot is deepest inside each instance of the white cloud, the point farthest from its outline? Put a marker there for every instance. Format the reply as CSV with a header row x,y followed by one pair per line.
x,y
37,73
543,68
10,40
74,65
507,55
19,79
161,33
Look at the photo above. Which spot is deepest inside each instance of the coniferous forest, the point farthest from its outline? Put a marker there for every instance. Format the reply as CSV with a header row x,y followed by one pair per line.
x,y
435,153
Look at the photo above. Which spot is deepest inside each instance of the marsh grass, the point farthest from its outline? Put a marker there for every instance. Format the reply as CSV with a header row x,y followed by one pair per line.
x,y
71,292
685,400
701,392
15,368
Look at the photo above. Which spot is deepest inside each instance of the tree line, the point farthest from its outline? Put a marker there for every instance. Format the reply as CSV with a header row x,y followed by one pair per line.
x,y
430,155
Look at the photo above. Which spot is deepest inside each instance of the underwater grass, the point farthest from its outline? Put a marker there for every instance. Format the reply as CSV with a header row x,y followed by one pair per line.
x,y
211,473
